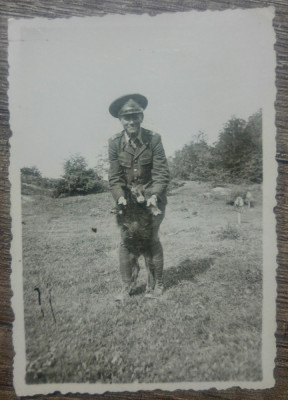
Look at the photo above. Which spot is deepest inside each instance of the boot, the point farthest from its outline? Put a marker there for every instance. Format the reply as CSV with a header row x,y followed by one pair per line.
x,y
158,290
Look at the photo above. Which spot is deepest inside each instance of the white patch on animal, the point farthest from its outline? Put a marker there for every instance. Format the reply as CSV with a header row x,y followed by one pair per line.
x,y
138,194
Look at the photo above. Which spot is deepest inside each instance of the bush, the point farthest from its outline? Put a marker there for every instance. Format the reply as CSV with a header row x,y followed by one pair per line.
x,y
78,179
32,182
31,175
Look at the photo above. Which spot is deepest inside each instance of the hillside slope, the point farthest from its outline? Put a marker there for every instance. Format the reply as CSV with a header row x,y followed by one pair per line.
x,y
207,325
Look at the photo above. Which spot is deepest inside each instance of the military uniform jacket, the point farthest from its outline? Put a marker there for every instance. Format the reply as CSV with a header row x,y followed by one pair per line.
x,y
146,165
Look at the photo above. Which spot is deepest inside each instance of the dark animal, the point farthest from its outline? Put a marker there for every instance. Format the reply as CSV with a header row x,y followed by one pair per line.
x,y
136,221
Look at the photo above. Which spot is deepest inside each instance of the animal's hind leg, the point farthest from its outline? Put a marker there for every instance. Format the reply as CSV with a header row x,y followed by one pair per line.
x,y
150,273
129,267
135,271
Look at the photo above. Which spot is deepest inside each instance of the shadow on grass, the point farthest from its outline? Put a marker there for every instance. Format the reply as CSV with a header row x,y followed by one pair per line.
x,y
187,270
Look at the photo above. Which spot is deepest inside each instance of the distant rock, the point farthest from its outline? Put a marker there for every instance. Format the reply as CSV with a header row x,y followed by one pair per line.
x,y
221,191
208,195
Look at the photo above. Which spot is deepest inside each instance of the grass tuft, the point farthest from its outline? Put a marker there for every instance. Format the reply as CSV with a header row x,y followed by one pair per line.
x,y
229,232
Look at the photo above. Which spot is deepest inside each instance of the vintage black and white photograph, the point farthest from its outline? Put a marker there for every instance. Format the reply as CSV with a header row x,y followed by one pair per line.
x,y
143,182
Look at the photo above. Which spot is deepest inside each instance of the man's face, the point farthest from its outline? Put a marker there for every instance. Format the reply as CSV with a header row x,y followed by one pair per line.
x,y
131,123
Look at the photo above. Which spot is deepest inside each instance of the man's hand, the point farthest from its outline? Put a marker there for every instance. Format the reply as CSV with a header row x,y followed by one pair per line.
x,y
152,201
122,201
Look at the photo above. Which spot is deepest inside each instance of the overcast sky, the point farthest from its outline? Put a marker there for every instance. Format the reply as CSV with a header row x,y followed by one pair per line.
x,y
197,69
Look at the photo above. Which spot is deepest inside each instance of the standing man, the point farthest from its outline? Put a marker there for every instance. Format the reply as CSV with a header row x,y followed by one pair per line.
x,y
137,157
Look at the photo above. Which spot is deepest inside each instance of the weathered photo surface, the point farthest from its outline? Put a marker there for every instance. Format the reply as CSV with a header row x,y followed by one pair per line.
x,y
205,113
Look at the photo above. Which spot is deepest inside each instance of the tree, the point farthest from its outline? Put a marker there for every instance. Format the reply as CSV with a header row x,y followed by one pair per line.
x,y
194,161
30,171
254,165
232,146
78,179
239,148
102,166
236,156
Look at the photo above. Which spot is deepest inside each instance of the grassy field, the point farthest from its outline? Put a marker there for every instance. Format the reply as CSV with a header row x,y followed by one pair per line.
x,y
206,326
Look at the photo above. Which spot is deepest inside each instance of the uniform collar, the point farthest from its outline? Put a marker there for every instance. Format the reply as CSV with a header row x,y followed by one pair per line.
x,y
139,137
135,151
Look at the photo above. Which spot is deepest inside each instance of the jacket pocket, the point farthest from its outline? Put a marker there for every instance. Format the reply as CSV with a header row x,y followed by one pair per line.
x,y
125,160
146,159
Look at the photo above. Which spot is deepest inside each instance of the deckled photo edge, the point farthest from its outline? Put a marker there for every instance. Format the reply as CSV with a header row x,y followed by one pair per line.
x,y
269,265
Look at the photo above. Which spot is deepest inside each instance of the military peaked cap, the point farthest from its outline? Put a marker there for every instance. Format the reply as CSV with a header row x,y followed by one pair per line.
x,y
128,104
